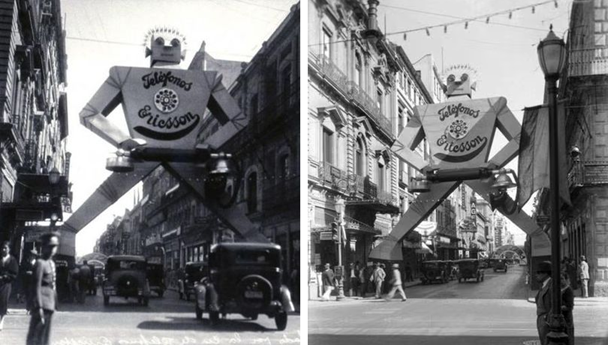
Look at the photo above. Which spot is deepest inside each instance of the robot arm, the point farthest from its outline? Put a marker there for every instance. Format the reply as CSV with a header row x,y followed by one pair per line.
x,y
508,125
408,140
225,109
94,115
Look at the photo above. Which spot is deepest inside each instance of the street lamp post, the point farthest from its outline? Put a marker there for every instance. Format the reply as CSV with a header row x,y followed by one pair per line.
x,y
552,57
340,210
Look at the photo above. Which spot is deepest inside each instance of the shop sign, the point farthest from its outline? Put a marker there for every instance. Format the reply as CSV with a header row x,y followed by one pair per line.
x,y
443,239
326,236
596,173
352,225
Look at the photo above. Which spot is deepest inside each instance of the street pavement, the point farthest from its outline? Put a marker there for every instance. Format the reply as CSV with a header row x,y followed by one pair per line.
x,y
496,311
166,321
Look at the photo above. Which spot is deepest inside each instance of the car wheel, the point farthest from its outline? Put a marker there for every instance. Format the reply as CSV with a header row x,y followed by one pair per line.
x,y
106,300
478,278
198,311
214,317
281,320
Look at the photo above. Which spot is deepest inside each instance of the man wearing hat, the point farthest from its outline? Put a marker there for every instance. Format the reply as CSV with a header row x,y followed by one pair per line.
x,y
584,276
328,282
27,278
543,300
9,268
396,285
44,292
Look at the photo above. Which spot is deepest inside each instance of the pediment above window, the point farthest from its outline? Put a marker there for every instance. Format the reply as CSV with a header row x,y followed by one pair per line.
x,y
337,115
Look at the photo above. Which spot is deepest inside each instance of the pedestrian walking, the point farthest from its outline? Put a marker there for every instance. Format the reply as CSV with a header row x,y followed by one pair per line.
x,y
396,285
567,306
377,278
543,300
27,278
584,277
84,280
362,281
9,269
571,270
354,279
45,293
328,282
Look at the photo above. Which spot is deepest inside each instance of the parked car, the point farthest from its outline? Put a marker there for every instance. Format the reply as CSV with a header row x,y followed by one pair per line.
x,y
193,273
500,265
245,278
125,276
433,271
156,278
469,269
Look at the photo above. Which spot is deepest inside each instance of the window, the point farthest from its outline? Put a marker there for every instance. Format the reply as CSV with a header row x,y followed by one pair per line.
x,y
284,166
328,149
326,43
400,119
358,67
360,157
253,105
380,100
381,175
252,192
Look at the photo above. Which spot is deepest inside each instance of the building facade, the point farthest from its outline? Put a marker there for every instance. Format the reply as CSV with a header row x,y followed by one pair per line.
x,y
33,124
584,86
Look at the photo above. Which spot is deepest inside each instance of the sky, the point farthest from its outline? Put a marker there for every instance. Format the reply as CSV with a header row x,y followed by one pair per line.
x,y
502,51
105,33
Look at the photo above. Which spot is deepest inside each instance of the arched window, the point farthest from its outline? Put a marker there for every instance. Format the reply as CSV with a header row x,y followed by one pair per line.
x,y
358,68
381,174
252,192
360,156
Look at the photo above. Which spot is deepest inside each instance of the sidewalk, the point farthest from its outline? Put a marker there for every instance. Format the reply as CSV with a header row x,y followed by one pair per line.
x,y
359,298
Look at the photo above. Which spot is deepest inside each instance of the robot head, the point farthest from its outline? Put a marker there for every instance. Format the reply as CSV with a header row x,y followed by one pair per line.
x,y
463,86
165,47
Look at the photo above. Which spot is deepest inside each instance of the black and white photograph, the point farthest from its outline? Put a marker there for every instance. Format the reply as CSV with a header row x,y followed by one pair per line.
x,y
150,172
457,172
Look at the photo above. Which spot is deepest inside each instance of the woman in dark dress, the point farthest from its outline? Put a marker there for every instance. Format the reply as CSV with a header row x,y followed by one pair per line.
x,y
9,268
567,306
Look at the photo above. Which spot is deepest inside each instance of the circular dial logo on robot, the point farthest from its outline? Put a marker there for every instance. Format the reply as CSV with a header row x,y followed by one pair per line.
x,y
166,100
458,129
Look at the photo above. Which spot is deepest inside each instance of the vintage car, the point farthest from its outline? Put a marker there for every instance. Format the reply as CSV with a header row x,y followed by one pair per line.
x,y
155,272
434,271
125,276
245,278
193,273
500,264
469,269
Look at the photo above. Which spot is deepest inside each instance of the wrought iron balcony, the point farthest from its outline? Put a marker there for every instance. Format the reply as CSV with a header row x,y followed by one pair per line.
x,y
583,62
356,225
330,175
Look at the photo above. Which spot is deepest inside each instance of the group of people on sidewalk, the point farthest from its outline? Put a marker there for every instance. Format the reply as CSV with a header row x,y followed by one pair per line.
x,y
567,280
38,287
360,281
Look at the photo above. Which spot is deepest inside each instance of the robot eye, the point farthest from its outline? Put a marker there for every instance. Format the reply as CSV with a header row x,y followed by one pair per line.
x,y
160,41
451,78
464,77
175,42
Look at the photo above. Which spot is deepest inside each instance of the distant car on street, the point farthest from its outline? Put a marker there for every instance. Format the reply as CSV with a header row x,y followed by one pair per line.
x,y
501,265
245,278
435,271
469,269
126,276
193,273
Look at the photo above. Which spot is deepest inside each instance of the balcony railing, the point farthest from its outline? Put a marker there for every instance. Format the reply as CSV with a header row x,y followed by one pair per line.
x,y
588,62
368,104
333,176
353,91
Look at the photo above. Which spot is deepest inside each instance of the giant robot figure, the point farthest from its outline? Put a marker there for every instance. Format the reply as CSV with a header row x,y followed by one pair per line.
x,y
164,110
460,134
